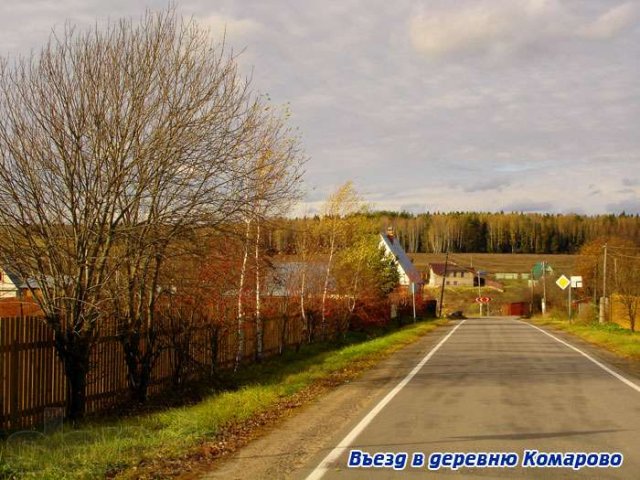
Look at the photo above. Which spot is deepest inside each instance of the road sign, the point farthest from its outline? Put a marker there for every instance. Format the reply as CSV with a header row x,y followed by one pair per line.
x,y
541,268
483,299
563,282
576,282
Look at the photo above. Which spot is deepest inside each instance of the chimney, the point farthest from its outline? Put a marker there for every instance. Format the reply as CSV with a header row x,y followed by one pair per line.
x,y
390,234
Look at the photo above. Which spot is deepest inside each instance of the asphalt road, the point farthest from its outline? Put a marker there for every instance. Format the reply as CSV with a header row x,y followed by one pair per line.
x,y
494,385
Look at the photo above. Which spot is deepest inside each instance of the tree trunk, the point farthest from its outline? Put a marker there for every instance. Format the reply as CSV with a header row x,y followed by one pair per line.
x,y
323,318
259,324
240,324
303,312
139,363
74,350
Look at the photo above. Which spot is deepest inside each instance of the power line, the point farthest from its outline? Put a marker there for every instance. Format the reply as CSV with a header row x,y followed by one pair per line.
x,y
625,256
624,248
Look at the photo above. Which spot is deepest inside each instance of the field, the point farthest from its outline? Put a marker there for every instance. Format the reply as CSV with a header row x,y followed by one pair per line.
x,y
498,262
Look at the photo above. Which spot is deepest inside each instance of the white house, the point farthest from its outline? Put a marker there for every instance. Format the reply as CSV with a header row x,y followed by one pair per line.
x,y
406,269
9,284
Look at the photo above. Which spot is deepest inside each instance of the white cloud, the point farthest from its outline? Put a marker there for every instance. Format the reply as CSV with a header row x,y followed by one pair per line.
x,y
235,28
498,27
448,32
612,22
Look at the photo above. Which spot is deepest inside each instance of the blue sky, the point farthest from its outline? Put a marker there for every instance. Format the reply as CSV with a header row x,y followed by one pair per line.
x,y
528,105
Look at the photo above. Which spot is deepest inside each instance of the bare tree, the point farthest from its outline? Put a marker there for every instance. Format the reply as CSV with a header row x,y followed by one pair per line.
x,y
626,282
119,145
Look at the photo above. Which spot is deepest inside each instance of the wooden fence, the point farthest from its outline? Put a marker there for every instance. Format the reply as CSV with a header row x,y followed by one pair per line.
x,y
32,379
32,376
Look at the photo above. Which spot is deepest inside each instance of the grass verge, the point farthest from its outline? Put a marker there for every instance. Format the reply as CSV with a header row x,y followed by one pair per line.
x,y
610,336
127,447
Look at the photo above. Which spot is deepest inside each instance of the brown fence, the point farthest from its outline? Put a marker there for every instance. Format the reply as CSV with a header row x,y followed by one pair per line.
x,y
32,377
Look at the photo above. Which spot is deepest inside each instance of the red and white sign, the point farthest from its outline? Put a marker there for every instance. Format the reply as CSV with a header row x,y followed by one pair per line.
x,y
483,299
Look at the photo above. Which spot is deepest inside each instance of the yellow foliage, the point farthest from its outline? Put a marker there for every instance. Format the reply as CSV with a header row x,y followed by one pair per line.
x,y
619,311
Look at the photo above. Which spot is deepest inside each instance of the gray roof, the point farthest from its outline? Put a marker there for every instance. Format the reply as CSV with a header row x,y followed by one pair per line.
x,y
393,246
13,276
285,275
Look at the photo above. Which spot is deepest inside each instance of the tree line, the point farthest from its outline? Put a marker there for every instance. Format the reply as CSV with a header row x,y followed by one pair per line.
x,y
472,232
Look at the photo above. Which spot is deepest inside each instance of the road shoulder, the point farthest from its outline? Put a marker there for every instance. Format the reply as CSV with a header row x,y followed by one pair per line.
x,y
293,442
628,366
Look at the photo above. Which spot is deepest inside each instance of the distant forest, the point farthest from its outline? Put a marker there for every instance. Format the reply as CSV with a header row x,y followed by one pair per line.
x,y
472,232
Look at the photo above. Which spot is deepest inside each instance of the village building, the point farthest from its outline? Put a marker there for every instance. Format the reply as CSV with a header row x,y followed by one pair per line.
x,y
9,284
456,276
407,271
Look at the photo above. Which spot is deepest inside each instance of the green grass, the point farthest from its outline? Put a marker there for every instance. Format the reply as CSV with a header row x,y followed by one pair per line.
x,y
614,338
118,446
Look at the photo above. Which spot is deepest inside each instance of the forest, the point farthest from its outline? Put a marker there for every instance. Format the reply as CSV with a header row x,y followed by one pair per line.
x,y
475,232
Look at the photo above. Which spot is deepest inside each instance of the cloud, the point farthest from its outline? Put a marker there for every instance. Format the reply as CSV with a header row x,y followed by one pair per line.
x,y
487,185
234,28
499,27
528,206
628,205
630,182
612,22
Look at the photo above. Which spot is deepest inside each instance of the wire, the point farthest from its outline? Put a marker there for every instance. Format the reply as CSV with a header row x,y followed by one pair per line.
x,y
625,256
623,248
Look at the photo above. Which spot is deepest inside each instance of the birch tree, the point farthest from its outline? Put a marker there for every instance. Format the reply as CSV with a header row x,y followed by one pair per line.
x,y
344,202
273,177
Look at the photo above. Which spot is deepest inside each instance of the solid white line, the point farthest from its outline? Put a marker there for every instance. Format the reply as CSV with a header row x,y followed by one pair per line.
x,y
322,468
624,380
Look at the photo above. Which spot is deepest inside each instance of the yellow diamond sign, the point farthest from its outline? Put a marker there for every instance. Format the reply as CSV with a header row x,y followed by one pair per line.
x,y
563,282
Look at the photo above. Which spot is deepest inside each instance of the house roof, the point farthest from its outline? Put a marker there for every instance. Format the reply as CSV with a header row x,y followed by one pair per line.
x,y
438,268
286,274
13,276
393,245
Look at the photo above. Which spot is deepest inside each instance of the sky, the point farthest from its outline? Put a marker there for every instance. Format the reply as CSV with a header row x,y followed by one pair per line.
x,y
438,105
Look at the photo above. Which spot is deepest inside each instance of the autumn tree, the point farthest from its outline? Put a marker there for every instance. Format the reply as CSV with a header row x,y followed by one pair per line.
x,y
336,215
365,274
119,145
626,280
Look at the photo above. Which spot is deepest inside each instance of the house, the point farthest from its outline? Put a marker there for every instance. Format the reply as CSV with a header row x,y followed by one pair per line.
x,y
456,275
285,278
406,269
9,283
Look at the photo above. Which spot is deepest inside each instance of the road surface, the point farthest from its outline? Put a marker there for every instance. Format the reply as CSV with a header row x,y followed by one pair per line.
x,y
481,385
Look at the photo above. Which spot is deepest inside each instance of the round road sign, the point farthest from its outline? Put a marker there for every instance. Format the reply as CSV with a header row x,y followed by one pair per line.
x,y
483,299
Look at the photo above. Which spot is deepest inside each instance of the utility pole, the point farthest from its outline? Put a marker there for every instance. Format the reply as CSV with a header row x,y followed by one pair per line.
x,y
603,300
413,296
444,276
479,293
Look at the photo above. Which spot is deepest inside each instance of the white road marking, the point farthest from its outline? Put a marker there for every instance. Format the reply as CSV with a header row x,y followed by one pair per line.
x,y
322,468
624,380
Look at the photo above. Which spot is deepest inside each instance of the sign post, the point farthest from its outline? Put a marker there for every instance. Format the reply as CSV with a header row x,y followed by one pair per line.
x,y
574,282
413,295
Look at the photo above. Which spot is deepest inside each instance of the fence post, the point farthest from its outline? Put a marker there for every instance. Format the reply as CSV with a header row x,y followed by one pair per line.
x,y
14,371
